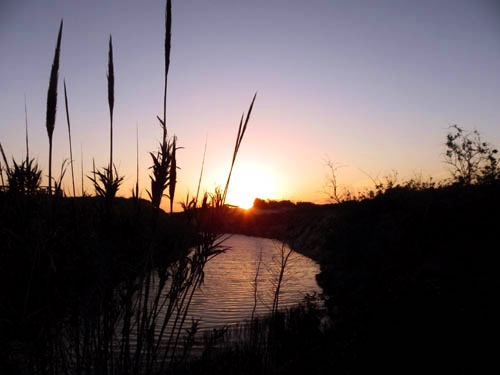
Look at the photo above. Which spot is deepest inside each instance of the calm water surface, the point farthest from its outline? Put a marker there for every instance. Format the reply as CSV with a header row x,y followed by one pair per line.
x,y
228,293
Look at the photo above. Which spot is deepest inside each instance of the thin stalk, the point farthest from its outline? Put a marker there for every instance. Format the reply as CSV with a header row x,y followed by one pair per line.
x,y
1,175
52,101
163,158
283,262
94,172
173,175
137,160
111,102
144,324
201,172
169,309
81,166
187,297
26,121
7,167
194,288
168,38
241,132
69,135
255,286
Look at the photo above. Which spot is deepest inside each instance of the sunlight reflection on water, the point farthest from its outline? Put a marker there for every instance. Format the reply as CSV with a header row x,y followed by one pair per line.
x,y
227,295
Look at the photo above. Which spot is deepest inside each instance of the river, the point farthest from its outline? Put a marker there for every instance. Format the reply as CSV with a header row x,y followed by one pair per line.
x,y
228,294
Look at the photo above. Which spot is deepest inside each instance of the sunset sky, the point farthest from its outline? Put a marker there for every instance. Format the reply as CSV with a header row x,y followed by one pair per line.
x,y
370,85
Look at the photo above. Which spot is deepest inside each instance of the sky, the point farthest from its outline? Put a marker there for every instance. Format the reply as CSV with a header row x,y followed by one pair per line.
x,y
371,86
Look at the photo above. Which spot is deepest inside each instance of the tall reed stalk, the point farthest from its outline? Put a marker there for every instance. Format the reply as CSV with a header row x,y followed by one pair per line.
x,y
26,130
168,44
164,160
69,136
135,190
52,101
108,177
2,152
1,174
241,132
111,102
81,169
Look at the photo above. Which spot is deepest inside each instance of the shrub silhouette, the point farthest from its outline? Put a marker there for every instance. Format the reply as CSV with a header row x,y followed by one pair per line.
x,y
24,178
471,159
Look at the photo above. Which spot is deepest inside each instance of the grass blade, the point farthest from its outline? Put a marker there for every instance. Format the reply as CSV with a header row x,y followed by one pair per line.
x,y
173,175
69,135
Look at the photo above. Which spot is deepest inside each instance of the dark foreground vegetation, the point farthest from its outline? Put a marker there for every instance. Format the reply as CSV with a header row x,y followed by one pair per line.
x,y
410,280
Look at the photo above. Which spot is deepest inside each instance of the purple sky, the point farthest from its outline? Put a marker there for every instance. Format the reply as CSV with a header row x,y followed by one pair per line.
x,y
371,85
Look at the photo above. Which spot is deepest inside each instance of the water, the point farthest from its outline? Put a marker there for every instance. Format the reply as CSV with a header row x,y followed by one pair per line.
x,y
227,295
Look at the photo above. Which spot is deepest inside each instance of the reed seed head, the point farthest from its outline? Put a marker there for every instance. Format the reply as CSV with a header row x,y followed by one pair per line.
x,y
52,92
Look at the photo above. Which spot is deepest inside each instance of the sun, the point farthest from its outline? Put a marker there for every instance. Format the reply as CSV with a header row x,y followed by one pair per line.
x,y
248,182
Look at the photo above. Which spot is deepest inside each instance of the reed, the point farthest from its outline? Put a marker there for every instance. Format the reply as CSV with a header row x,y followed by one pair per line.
x,y
26,129
5,161
168,46
58,190
52,100
4,186
135,189
241,132
81,172
107,181
173,175
69,136
111,103
164,160
1,175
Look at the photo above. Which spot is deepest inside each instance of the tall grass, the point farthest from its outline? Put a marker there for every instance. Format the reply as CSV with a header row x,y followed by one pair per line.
x,y
164,160
69,136
110,295
135,190
107,181
1,173
26,129
239,137
52,100
111,103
